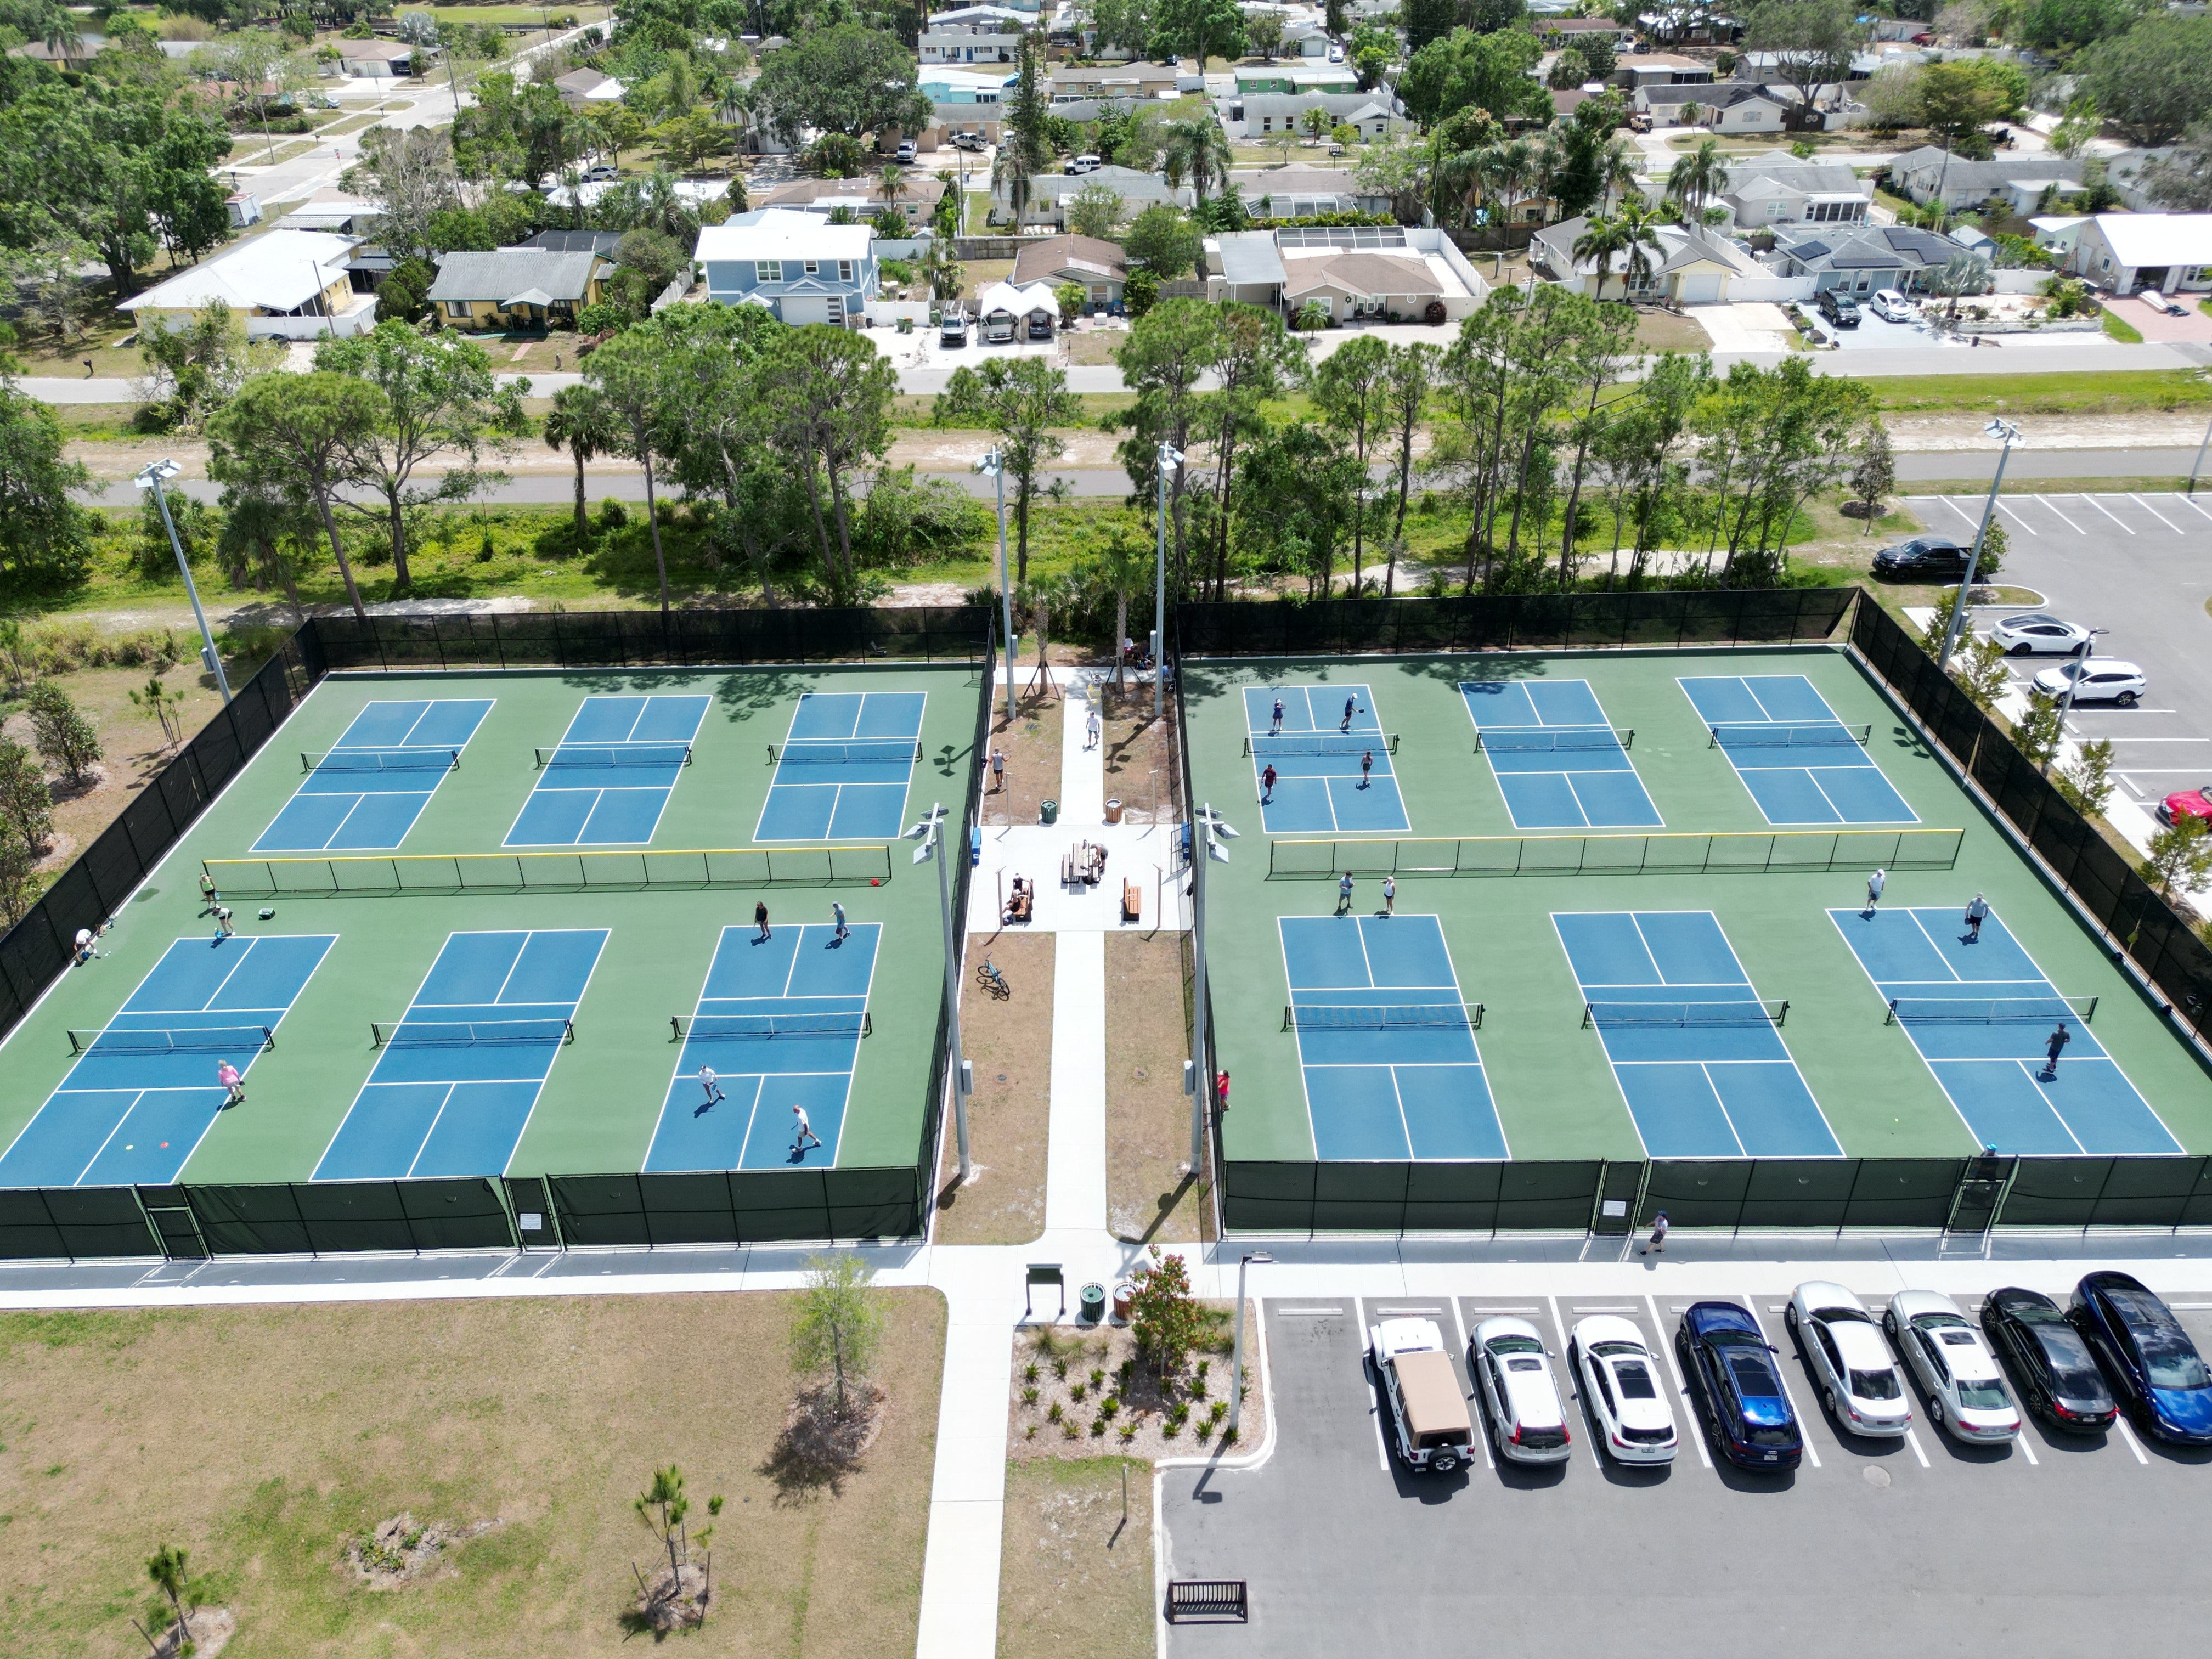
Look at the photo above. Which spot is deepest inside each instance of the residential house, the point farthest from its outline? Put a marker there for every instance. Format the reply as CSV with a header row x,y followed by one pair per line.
x,y
282,285
1861,259
1369,274
2133,252
518,287
1133,81
966,46
1005,312
1660,69
1304,193
863,198
1049,192
1374,114
73,55
1730,108
601,242
1691,265
1558,31
1297,78
331,209
1910,30
1930,174
1100,268
588,89
2058,236
1761,194
379,60
800,268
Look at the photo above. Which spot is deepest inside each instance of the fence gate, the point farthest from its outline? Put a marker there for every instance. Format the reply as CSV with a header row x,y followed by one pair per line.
x,y
1980,1192
1620,1188
178,1228
530,1201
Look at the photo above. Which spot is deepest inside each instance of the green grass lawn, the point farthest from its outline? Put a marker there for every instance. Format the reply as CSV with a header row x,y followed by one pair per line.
x,y
2123,392
2126,333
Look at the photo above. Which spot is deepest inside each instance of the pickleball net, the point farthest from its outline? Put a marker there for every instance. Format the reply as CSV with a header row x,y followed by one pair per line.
x,y
661,755
171,1040
1747,1010
1380,1017
467,1033
381,760
1784,734
744,1027
1989,1010
1519,740
1267,744
840,751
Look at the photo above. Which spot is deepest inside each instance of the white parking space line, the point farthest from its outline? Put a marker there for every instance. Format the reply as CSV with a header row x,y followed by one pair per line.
x,y
1374,1378
1431,1309
1474,1413
1913,1441
1688,1413
2023,1442
1316,1312
2063,519
1631,1307
2155,514
2016,519
1573,1381
2107,512
2128,1435
1804,1434
1956,508
2191,503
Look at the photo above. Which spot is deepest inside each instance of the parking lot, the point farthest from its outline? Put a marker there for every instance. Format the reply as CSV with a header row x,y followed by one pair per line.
x,y
2049,1547
2139,565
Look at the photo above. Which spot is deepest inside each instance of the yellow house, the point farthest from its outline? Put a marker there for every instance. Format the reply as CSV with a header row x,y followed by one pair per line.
x,y
524,287
285,284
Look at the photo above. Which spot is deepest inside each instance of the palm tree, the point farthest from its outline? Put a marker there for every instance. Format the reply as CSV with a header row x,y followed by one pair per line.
x,y
1697,177
580,419
1618,173
1510,166
1639,227
1199,151
1472,175
1010,182
62,34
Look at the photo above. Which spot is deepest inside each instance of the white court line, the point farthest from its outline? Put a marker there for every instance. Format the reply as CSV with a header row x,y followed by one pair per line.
x,y
1913,1441
2155,514
2128,1435
1692,1426
2017,519
2107,512
2063,519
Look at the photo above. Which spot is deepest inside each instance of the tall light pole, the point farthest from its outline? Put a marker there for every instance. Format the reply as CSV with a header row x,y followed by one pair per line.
x,y
993,467
1170,457
2201,448
930,832
2073,685
1236,1352
1206,826
1998,427
153,478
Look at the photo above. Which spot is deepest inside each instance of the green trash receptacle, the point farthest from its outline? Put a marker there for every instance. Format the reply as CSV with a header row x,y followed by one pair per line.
x,y
1091,1306
1049,811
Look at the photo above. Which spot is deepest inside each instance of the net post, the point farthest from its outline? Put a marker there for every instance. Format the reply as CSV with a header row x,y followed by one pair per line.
x,y
567,1030
267,1039
1890,1018
1587,1015
1475,1021
1286,1017
1782,1014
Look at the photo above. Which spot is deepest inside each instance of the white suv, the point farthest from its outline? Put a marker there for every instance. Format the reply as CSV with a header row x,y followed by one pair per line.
x,y
1514,1372
1622,1385
1429,1418
2102,679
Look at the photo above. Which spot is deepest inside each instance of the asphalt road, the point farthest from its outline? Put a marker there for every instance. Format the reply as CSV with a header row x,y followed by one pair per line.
x,y
2049,1548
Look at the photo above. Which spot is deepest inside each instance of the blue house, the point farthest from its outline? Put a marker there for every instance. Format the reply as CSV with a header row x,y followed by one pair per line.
x,y
800,266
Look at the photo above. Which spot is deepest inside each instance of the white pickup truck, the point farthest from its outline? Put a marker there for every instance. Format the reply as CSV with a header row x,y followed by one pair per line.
x,y
1429,1421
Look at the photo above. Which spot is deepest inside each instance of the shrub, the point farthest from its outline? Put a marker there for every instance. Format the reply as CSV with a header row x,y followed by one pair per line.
x,y
63,735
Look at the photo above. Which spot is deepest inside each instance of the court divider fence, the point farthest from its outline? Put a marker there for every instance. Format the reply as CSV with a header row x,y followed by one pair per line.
x,y
1670,852
442,874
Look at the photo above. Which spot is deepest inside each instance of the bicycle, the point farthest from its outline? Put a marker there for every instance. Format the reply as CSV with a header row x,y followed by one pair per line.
x,y
992,981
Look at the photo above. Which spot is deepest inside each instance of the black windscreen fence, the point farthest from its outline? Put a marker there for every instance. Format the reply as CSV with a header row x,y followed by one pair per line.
x,y
647,639
337,1217
739,1206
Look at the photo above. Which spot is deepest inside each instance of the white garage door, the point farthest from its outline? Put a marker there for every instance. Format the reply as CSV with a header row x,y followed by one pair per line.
x,y
798,309
1700,287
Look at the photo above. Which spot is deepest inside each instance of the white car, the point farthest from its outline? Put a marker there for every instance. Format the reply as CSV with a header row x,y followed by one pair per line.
x,y
1083,164
908,152
1859,1384
1621,1383
2102,679
1514,1373
1893,307
1966,1392
2037,631
1335,54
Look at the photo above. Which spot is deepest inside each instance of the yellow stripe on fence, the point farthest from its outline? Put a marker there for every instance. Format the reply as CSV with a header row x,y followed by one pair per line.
x,y
1670,852
437,873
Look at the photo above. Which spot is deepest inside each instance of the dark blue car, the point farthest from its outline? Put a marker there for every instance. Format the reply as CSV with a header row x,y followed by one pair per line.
x,y
2159,1377
1734,1372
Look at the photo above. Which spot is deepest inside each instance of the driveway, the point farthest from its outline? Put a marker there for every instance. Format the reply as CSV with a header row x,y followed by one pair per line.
x,y
2154,323
1746,326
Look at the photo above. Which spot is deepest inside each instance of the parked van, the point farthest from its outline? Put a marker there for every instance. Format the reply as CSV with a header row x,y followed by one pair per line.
x,y
998,328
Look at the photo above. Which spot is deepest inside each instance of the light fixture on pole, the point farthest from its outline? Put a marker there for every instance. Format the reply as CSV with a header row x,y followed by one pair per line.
x,y
2080,668
930,832
2007,430
1209,827
1237,1356
1170,457
991,466
153,477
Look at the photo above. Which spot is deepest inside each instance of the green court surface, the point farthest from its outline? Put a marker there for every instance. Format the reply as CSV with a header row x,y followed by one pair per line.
x,y
1638,1012
495,994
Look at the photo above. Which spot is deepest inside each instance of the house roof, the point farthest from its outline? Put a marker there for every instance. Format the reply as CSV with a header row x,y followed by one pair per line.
x,y
1361,273
1049,256
602,242
1129,183
783,234
1295,180
1346,106
1725,96
1759,180
2138,239
1988,175
922,191
515,273
378,51
1004,296
1875,247
1249,257
589,83
279,270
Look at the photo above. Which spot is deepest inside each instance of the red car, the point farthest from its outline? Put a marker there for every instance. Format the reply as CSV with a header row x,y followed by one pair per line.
x,y
2187,804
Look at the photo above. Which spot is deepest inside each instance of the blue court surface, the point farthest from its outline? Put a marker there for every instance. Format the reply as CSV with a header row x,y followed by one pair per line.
x,y
779,1021
144,1091
608,778
1557,759
364,794
1981,1014
458,1077
1387,1048
1801,764
1704,1070
843,770
1319,787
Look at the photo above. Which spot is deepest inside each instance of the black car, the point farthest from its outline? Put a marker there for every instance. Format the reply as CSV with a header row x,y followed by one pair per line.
x,y
1839,308
2053,1369
2155,1370
1924,556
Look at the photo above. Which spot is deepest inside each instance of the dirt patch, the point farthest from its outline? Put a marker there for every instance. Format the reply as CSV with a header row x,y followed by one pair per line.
x,y
207,1630
1010,1045
1141,764
1032,744
1075,1393
1150,1193
1077,1578
304,1427
400,1551
674,1599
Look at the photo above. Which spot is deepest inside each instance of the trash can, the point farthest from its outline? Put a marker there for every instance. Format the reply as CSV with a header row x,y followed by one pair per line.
x,y
1125,1297
1049,811
1113,811
1093,1304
